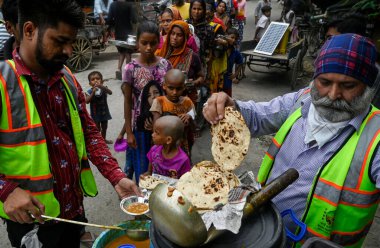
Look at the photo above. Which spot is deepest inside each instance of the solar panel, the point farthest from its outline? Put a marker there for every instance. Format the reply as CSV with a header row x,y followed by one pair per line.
x,y
271,38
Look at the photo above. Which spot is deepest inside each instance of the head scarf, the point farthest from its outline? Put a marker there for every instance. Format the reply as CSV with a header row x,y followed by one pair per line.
x,y
349,54
176,14
179,55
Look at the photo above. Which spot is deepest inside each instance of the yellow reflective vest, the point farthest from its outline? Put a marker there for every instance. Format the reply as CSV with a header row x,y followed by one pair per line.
x,y
23,151
343,197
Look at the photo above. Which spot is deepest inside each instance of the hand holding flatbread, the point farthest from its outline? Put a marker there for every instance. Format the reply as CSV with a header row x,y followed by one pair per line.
x,y
230,140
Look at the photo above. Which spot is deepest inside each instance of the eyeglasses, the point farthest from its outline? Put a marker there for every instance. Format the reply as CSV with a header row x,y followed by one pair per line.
x,y
167,21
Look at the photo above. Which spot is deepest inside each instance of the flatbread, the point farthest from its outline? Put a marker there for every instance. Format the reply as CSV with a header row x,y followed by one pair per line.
x,y
230,140
150,182
206,185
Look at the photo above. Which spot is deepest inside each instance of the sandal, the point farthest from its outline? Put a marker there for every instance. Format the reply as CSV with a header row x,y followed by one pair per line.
x,y
89,240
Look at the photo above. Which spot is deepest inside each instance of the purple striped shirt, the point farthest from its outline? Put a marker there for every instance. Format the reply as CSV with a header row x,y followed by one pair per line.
x,y
267,117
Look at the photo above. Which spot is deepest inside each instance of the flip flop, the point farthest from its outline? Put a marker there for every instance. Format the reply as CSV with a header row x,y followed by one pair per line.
x,y
88,242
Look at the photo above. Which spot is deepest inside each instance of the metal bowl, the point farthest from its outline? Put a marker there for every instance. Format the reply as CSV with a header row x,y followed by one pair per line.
x,y
133,199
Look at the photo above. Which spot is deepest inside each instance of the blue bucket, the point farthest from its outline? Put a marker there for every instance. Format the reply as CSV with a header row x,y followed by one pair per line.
x,y
108,236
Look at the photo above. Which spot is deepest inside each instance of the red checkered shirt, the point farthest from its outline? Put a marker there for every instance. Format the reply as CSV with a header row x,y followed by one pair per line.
x,y
50,101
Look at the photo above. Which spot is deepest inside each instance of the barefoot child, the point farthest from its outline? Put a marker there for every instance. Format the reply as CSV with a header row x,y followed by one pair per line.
x,y
97,98
136,75
166,156
173,103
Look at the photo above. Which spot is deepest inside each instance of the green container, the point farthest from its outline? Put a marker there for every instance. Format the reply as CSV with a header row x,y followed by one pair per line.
x,y
110,235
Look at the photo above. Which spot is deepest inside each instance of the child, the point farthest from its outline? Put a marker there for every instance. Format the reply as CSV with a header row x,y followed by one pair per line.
x,y
166,157
97,97
263,23
144,122
240,19
136,75
259,6
173,103
234,58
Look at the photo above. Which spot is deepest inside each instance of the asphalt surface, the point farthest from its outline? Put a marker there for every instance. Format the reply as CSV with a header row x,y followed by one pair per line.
x,y
261,85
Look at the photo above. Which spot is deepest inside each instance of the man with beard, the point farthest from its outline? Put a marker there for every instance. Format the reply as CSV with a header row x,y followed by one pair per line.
x,y
46,134
330,134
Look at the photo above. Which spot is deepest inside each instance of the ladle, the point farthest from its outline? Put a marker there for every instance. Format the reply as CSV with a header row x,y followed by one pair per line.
x,y
134,234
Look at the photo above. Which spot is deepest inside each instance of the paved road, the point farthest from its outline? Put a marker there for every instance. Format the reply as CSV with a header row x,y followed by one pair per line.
x,y
259,86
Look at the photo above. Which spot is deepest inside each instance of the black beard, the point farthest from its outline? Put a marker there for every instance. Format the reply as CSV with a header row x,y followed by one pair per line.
x,y
50,65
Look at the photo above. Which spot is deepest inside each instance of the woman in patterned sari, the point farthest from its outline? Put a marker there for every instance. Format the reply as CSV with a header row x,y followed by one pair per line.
x,y
183,58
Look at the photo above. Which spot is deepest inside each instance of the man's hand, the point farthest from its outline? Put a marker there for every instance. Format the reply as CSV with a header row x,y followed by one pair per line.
x,y
20,205
126,187
213,109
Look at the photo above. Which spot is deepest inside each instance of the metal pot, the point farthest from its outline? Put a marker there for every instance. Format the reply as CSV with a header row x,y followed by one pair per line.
x,y
174,221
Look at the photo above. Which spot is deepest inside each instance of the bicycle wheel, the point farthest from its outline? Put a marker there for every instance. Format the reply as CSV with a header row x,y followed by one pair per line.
x,y
81,58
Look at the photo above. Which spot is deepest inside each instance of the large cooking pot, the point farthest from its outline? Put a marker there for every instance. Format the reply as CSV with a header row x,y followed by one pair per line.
x,y
186,228
263,229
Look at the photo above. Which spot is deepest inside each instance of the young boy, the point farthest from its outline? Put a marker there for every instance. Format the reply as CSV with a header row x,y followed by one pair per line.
x,y
234,57
97,97
263,23
166,157
174,103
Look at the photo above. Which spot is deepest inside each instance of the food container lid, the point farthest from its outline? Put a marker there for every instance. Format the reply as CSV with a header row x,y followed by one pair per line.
x,y
126,246
120,146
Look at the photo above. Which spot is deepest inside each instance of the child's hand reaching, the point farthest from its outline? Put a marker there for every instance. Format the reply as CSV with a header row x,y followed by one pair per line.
x,y
185,118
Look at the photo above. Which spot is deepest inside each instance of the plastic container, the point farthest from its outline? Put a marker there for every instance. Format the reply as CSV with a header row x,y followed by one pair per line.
x,y
263,229
316,242
108,236
127,246
120,146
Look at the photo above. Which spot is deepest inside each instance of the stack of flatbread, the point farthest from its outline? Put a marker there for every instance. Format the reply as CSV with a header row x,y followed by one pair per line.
x,y
150,182
208,183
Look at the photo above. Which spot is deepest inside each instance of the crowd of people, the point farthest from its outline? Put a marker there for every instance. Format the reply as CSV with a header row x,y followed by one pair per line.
x,y
186,65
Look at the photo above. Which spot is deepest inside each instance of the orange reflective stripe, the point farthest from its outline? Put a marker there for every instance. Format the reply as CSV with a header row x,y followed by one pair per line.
x,y
23,93
330,183
276,143
22,177
366,157
361,191
25,143
373,114
42,192
270,156
19,129
7,101
316,233
325,200
306,91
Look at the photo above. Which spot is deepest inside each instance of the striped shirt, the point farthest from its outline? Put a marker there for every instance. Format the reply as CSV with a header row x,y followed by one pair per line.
x,y
267,118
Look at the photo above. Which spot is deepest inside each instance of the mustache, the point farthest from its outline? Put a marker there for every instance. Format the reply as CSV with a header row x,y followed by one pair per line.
x,y
339,104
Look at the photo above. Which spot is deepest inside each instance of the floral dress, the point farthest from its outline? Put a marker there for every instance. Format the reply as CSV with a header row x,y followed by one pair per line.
x,y
137,76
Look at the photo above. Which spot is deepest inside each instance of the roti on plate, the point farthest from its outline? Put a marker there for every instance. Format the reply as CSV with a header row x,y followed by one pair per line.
x,y
230,140
150,182
207,185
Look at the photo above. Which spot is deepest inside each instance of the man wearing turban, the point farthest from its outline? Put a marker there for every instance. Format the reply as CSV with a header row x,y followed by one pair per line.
x,y
329,132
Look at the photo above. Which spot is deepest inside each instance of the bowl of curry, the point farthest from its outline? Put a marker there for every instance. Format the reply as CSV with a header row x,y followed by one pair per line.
x,y
135,205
